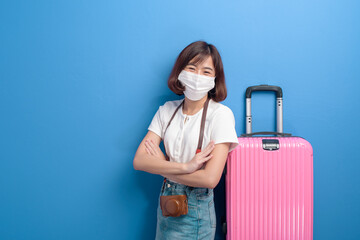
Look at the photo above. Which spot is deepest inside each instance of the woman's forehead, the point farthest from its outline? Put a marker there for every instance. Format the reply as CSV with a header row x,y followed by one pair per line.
x,y
202,60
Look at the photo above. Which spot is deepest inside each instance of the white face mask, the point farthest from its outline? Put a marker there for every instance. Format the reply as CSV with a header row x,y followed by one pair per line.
x,y
196,85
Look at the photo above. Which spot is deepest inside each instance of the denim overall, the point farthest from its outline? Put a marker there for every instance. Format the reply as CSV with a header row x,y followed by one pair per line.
x,y
199,223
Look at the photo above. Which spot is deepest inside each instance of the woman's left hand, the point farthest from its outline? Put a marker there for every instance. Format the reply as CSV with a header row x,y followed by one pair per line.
x,y
153,150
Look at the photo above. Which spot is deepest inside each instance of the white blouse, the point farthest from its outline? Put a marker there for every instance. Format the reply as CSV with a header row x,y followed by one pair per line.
x,y
182,136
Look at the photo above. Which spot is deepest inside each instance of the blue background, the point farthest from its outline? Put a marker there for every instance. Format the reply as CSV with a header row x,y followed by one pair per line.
x,y
81,80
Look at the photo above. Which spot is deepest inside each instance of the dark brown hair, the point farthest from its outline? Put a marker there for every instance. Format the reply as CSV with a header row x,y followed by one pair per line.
x,y
200,51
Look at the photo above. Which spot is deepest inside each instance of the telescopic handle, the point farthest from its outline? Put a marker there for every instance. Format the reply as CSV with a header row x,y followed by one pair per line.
x,y
279,106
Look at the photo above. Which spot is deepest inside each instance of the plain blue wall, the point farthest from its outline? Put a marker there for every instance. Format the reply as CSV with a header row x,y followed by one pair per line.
x,y
81,80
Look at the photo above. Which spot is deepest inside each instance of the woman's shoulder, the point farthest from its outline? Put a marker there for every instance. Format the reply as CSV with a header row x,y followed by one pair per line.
x,y
221,115
171,105
168,108
219,108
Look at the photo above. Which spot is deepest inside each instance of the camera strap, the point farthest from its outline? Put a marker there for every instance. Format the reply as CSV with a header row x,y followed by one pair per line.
x,y
202,126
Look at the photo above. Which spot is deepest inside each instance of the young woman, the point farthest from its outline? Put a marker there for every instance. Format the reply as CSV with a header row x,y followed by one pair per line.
x,y
198,74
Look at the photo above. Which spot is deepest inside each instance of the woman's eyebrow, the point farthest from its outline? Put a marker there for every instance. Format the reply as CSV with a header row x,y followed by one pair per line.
x,y
208,68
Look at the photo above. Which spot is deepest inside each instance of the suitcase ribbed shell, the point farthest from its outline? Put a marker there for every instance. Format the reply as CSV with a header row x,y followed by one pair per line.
x,y
269,194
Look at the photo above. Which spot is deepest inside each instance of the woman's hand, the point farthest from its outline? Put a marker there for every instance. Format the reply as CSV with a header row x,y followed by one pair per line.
x,y
200,158
196,163
153,149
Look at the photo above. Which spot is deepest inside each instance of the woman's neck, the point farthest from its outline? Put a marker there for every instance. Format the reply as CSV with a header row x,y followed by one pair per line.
x,y
192,107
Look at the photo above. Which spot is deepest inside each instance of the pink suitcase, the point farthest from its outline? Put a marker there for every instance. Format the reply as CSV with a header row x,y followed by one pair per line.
x,y
269,183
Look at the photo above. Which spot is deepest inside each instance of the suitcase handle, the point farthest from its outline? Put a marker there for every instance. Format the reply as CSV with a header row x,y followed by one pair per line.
x,y
264,87
266,133
279,106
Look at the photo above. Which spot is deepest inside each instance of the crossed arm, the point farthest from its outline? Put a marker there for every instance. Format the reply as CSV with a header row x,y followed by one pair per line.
x,y
150,158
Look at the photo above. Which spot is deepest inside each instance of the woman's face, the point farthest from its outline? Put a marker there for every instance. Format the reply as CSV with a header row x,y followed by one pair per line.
x,y
205,68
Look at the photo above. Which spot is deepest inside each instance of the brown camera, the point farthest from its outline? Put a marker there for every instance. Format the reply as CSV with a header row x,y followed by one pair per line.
x,y
174,205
